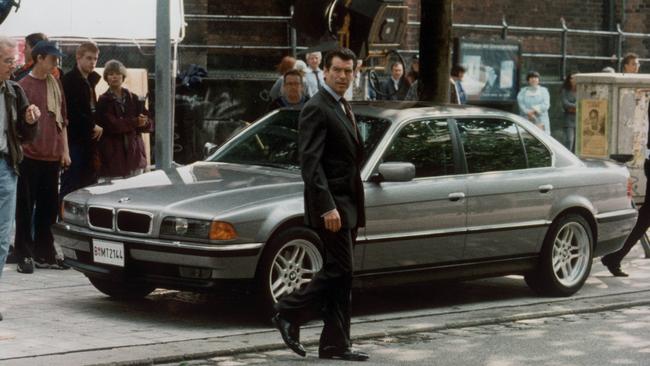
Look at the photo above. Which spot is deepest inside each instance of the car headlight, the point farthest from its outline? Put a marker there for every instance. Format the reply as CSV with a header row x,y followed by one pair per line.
x,y
74,212
197,229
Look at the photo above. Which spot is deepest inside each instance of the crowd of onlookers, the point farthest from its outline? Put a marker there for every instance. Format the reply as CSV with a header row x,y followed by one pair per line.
x,y
59,137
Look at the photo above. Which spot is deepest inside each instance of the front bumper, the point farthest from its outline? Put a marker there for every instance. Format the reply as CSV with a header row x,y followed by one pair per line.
x,y
164,263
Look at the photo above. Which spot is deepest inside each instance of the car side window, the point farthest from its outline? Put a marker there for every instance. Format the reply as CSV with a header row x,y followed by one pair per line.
x,y
425,144
491,145
536,152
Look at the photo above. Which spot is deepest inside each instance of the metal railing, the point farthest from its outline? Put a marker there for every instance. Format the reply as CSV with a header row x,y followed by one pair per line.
x,y
505,30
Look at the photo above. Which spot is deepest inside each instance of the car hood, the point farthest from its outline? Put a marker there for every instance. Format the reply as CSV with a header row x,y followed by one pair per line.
x,y
203,187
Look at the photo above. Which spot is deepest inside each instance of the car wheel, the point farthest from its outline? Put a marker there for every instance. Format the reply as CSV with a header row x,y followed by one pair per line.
x,y
289,262
121,290
566,258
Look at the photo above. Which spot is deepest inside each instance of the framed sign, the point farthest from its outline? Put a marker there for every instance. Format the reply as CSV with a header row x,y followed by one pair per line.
x,y
492,69
592,128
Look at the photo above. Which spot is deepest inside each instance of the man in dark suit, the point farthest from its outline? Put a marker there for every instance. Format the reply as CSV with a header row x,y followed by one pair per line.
x,y
330,159
395,87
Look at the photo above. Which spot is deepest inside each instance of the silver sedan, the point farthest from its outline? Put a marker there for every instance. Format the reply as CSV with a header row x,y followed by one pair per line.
x,y
451,192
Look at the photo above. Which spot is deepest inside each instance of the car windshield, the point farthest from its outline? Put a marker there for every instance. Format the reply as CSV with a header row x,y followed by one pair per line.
x,y
273,141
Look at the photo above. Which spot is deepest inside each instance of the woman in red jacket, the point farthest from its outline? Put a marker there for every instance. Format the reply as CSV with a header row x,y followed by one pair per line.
x,y
123,117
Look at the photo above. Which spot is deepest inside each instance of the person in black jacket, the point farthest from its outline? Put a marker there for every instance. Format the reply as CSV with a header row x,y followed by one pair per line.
x,y
18,120
83,134
331,152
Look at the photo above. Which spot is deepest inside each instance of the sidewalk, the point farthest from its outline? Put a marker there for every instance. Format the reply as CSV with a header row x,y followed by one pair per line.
x,y
57,318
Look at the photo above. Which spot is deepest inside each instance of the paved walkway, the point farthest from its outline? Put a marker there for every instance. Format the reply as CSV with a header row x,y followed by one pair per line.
x,y
57,318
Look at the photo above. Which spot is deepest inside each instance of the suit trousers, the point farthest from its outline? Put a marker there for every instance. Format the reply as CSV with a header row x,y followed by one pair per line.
x,y
36,209
641,226
327,296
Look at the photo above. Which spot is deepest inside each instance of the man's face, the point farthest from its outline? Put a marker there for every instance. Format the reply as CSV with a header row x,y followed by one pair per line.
x,y
533,81
7,62
397,71
632,67
293,88
313,60
87,61
47,63
461,75
339,76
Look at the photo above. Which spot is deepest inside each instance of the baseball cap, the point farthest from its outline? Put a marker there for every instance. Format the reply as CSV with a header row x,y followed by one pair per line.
x,y
47,48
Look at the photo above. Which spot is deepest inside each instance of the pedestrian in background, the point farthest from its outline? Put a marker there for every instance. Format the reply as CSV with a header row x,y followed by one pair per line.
x,y
287,63
331,152
631,64
18,121
31,41
123,117
293,95
534,102
395,87
314,75
457,74
83,134
569,106
37,198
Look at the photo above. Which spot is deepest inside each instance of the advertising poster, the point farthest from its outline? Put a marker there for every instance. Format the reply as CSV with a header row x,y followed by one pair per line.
x,y
492,70
592,127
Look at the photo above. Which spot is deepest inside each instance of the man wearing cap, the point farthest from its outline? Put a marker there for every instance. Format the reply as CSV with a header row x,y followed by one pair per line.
x,y
18,124
37,198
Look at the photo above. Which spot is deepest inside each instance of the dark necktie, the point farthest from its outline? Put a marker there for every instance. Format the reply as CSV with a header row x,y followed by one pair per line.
x,y
348,112
317,79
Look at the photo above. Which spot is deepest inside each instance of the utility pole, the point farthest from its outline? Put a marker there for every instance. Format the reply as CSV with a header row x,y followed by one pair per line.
x,y
435,50
164,125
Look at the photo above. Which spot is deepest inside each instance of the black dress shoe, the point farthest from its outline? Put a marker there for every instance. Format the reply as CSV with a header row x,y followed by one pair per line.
x,y
346,355
289,334
617,271
0,316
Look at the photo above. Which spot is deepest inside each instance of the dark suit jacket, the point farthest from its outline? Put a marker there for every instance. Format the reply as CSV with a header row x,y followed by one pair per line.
x,y
330,161
387,89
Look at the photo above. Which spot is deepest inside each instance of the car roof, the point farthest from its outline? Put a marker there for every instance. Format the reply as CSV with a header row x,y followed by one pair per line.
x,y
400,110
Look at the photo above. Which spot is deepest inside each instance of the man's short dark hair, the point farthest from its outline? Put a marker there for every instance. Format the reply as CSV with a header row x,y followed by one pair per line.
x,y
629,57
293,72
34,38
396,63
457,69
343,53
532,74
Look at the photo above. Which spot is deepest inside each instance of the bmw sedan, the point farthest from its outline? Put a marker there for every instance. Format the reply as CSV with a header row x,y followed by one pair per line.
x,y
451,192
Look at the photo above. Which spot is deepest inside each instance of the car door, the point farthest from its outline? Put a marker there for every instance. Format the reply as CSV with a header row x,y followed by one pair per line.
x,y
509,188
420,222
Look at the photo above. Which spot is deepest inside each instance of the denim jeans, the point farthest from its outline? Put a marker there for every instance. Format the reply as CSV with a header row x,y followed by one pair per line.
x,y
7,208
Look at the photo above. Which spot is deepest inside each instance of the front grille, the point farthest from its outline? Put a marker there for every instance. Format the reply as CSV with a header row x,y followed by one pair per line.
x,y
100,217
134,222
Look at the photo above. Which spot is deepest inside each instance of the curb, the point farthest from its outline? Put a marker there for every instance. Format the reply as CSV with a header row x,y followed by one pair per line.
x,y
269,340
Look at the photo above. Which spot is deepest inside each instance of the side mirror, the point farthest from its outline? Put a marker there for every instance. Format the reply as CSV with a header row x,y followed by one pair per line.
x,y
396,172
208,149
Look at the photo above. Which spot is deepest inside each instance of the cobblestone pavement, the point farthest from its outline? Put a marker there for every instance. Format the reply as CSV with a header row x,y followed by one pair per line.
x,y
57,318
618,337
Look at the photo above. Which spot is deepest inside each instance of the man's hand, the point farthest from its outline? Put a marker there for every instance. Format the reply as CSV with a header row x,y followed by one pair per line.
x,y
332,221
32,114
142,120
65,160
97,132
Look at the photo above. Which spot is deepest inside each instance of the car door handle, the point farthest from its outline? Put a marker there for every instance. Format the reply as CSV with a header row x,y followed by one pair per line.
x,y
456,196
545,188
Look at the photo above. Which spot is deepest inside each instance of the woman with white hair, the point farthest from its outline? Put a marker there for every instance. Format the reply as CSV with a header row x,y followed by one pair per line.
x,y
124,118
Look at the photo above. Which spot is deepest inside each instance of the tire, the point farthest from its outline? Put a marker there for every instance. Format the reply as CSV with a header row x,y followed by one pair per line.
x,y
565,259
121,290
289,262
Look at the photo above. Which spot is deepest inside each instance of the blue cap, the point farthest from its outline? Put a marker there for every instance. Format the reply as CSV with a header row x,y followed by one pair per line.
x,y
47,48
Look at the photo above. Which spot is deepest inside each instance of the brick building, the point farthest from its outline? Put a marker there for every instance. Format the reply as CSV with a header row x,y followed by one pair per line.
x,y
240,52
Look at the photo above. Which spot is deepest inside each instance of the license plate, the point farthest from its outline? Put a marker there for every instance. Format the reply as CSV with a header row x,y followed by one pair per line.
x,y
108,252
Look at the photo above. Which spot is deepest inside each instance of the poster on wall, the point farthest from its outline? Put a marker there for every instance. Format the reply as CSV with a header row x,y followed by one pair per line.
x,y
592,128
492,69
